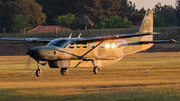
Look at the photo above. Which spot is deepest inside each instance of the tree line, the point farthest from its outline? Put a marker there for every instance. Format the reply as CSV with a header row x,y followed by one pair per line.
x,y
20,14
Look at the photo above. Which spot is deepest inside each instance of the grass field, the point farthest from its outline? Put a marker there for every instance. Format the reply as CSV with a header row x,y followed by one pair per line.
x,y
125,80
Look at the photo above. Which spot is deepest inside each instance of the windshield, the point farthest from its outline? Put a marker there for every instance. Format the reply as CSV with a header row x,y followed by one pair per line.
x,y
59,43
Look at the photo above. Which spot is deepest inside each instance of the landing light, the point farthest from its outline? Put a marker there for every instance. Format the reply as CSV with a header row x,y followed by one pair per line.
x,y
113,45
107,45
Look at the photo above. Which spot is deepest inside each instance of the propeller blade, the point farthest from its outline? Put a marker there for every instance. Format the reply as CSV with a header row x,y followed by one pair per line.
x,y
27,45
28,63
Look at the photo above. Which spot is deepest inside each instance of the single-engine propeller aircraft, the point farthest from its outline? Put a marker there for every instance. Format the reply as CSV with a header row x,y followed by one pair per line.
x,y
95,51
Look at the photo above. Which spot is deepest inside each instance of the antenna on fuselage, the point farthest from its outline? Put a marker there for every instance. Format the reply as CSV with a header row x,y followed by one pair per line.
x,y
70,35
79,35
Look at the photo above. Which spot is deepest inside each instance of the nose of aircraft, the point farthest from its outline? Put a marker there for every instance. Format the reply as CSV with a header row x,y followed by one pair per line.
x,y
30,52
33,52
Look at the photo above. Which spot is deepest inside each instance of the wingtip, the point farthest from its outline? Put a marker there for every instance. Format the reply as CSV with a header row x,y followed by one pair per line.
x,y
156,33
174,41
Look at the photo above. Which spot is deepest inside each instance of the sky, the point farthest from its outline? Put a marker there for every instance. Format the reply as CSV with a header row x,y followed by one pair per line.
x,y
151,3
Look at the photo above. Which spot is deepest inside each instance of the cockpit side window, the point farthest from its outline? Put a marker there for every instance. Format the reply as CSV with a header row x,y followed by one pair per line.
x,y
59,43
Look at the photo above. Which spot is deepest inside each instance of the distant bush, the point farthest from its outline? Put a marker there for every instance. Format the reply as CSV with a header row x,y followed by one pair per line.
x,y
158,21
65,20
114,22
21,22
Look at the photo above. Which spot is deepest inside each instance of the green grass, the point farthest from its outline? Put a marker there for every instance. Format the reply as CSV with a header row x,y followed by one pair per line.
x,y
125,80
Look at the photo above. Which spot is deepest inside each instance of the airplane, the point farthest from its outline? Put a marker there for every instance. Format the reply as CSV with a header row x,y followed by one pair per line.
x,y
93,52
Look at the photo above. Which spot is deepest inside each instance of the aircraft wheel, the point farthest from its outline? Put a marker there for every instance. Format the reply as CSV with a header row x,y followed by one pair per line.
x,y
96,70
38,72
64,71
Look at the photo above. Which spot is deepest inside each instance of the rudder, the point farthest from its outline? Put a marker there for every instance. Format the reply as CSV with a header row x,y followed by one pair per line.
x,y
147,24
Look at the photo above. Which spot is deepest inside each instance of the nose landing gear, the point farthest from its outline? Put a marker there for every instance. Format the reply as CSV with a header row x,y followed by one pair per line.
x,y
38,71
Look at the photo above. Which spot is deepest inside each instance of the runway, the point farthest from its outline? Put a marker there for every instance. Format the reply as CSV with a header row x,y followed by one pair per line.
x,y
125,80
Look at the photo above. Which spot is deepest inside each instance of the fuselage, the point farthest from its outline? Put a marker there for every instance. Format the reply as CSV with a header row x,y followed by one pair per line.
x,y
67,50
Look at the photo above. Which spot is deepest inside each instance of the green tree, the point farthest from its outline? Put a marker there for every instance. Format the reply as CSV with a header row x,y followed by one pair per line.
x,y
96,10
167,12
127,8
115,22
21,22
9,8
158,21
65,20
137,17
55,8
142,11
178,11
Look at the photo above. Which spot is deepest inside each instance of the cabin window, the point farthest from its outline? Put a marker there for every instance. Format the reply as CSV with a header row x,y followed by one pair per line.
x,y
101,45
71,46
84,45
118,45
92,45
77,45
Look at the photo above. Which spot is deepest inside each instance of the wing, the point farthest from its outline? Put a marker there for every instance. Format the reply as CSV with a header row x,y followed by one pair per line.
x,y
31,40
102,38
159,41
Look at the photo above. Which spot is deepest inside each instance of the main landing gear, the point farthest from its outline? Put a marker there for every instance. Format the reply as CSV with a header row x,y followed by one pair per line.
x,y
64,71
96,69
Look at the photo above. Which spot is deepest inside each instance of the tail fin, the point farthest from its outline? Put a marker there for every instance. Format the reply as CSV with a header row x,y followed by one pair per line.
x,y
147,24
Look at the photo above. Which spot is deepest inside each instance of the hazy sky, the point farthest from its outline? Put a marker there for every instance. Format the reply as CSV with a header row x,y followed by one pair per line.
x,y
151,3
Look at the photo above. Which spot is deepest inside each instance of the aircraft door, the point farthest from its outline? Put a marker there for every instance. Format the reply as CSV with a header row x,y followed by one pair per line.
x,y
70,50
119,48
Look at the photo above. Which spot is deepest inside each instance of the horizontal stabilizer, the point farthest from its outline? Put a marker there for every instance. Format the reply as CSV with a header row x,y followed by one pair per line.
x,y
156,33
159,41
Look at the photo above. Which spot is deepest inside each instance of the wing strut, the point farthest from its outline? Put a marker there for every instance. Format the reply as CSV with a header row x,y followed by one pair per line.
x,y
90,50
96,69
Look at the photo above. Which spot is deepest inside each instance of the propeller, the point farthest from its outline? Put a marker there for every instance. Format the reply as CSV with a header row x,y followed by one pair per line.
x,y
27,45
28,63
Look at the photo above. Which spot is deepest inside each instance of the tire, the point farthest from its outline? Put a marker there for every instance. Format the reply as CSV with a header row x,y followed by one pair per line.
x,y
64,71
38,72
96,70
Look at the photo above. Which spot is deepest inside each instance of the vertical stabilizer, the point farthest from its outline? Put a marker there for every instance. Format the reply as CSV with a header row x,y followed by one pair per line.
x,y
147,24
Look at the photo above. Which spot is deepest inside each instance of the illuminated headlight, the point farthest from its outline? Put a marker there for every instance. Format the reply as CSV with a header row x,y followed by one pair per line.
x,y
107,45
113,45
